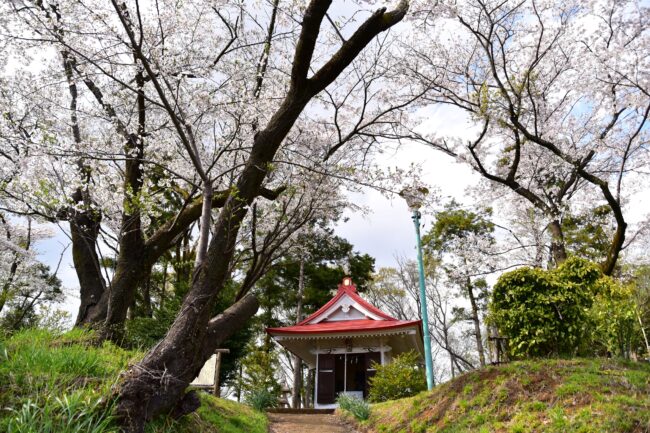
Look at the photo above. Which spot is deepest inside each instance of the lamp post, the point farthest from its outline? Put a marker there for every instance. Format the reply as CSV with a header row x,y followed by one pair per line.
x,y
414,198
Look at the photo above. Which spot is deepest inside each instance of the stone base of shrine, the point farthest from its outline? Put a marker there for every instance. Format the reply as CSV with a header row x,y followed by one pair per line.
x,y
300,411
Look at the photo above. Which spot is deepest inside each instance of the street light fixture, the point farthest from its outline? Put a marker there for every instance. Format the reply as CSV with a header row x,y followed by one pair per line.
x,y
415,199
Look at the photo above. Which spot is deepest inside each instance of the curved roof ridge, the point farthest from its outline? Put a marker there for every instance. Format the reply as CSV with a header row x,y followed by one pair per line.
x,y
350,289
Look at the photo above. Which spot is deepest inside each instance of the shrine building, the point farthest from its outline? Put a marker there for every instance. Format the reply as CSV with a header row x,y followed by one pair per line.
x,y
343,338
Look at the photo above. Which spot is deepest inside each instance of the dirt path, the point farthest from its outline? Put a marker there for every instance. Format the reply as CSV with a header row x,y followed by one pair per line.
x,y
303,423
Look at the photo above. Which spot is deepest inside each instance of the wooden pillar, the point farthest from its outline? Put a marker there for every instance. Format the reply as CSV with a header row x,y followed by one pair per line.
x,y
217,368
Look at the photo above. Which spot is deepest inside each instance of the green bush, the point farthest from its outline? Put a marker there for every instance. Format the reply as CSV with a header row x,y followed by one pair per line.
x,y
402,377
546,313
358,407
615,328
261,399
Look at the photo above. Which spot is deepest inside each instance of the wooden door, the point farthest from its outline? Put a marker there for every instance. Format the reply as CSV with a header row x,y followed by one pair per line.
x,y
325,392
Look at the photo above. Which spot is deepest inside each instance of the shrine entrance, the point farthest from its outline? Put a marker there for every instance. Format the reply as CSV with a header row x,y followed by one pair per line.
x,y
343,339
344,373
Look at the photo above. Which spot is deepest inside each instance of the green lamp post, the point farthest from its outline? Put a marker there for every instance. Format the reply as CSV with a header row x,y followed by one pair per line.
x,y
415,198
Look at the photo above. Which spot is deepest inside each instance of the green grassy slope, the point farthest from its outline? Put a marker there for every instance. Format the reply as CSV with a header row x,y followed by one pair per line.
x,y
63,384
582,395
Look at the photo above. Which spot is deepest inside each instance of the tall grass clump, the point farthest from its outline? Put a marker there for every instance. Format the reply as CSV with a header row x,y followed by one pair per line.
x,y
357,407
261,399
74,413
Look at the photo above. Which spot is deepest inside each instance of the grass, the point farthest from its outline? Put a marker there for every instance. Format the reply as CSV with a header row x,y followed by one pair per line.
x,y
355,406
555,396
215,415
64,383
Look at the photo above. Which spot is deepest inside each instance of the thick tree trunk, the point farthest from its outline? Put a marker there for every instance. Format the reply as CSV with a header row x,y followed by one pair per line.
x,y
558,250
130,264
84,230
297,362
129,275
84,224
141,398
130,269
180,355
477,323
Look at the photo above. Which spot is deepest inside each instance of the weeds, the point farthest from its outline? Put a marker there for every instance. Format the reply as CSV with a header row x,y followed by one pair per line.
x,y
358,407
74,413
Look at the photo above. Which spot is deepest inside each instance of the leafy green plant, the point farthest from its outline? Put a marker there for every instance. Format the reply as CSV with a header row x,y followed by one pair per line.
x,y
402,377
544,313
73,413
357,407
261,399
615,328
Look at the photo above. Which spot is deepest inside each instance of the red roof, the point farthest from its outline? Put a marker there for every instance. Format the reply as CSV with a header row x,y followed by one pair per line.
x,y
351,291
367,324
344,326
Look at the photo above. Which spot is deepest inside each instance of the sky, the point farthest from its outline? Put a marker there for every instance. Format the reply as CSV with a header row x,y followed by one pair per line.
x,y
387,230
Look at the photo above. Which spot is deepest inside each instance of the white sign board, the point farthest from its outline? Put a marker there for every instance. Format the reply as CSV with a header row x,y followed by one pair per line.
x,y
206,376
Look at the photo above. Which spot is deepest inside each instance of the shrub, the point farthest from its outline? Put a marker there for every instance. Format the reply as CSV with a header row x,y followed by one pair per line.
x,y
261,399
545,313
403,377
615,326
358,407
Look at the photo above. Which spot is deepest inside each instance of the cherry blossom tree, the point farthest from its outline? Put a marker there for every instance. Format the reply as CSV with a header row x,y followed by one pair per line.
x,y
85,168
137,119
558,92
26,285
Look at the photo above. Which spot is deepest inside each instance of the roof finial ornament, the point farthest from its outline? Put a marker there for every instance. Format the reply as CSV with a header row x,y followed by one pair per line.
x,y
347,285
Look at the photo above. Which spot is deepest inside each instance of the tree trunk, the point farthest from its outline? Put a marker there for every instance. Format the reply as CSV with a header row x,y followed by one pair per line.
x,y
558,250
297,362
477,323
84,224
146,297
129,275
141,398
84,230
180,355
309,389
645,336
4,293
130,268
445,336
239,381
